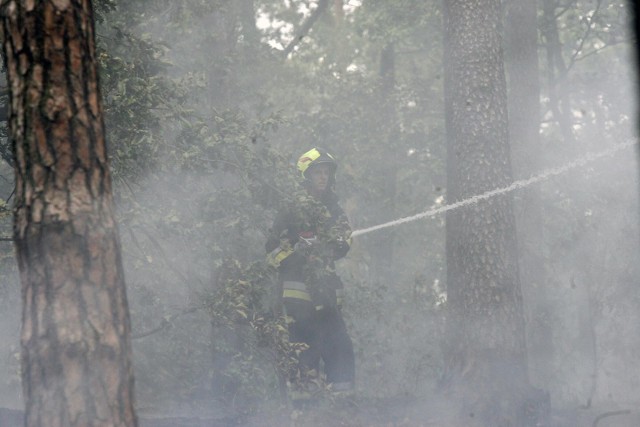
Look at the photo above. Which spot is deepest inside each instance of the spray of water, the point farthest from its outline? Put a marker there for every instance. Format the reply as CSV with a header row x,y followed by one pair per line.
x,y
545,174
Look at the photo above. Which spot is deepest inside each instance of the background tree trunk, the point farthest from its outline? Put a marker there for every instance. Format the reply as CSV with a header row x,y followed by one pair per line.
x,y
636,28
521,44
382,243
76,364
559,99
486,353
247,17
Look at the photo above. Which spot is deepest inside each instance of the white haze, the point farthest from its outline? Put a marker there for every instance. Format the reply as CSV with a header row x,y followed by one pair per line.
x,y
589,291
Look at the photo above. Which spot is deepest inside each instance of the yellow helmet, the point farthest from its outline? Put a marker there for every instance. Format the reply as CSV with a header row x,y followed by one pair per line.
x,y
313,157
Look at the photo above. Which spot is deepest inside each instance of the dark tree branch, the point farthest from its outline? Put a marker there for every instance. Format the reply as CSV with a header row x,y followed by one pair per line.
x,y
165,323
4,108
306,27
609,414
590,24
5,152
569,6
168,262
600,49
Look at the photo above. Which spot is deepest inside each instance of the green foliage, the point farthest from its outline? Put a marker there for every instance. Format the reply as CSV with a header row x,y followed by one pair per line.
x,y
138,97
251,332
390,22
240,297
103,8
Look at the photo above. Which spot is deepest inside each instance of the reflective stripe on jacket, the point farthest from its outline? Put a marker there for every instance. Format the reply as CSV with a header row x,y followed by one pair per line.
x,y
276,256
297,290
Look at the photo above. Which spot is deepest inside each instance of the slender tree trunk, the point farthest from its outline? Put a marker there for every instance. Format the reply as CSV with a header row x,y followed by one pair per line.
x,y
338,6
636,28
76,351
557,73
247,17
221,41
486,353
635,7
383,241
522,63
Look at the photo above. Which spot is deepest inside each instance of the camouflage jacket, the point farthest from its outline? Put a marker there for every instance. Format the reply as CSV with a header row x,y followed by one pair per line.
x,y
306,239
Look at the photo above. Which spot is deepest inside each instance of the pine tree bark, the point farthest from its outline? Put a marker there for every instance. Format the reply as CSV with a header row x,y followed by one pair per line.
x,y
76,351
486,354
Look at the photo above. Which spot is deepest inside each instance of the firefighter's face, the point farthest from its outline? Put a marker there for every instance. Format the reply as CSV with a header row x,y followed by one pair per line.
x,y
319,176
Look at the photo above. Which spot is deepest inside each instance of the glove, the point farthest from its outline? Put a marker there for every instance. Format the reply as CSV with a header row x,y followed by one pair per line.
x,y
304,246
340,247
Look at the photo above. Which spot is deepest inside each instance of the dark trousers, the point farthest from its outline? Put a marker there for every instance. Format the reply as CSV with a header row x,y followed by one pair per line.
x,y
326,335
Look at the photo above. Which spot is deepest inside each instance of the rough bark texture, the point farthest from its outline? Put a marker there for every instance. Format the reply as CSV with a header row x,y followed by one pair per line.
x,y
486,354
76,368
521,29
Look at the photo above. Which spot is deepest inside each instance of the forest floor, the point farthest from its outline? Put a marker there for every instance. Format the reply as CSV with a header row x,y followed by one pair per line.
x,y
432,413
406,412
437,411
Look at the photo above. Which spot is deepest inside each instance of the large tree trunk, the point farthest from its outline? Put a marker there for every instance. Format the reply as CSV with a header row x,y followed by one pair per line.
x,y
76,364
485,333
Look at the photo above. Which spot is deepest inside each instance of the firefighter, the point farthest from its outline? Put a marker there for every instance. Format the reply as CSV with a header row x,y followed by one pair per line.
x,y
307,237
